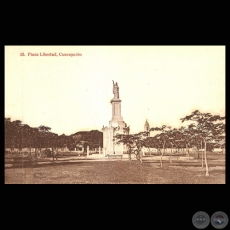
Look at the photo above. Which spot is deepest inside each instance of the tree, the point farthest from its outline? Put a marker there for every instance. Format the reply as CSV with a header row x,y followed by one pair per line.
x,y
162,139
71,142
127,140
154,142
43,137
27,136
206,128
183,134
93,139
140,142
9,140
175,139
17,134
134,143
62,141
35,139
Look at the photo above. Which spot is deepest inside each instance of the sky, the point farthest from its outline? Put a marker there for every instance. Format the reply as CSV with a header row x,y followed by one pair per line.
x,y
69,94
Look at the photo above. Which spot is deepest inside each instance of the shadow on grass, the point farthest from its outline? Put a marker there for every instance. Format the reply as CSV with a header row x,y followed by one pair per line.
x,y
45,165
133,163
184,164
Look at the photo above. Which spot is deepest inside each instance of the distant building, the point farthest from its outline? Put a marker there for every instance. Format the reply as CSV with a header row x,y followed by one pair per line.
x,y
147,127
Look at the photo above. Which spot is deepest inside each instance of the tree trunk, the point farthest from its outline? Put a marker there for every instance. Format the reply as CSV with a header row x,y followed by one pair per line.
x,y
170,158
161,159
36,154
30,146
200,148
202,159
40,148
149,151
18,149
205,159
162,153
129,153
198,153
140,152
11,147
187,150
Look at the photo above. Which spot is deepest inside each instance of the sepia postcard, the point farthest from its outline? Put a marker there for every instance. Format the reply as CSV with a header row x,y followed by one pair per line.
x,y
115,115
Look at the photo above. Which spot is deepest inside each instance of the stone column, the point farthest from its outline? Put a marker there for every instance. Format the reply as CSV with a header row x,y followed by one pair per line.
x,y
99,149
109,146
104,151
87,151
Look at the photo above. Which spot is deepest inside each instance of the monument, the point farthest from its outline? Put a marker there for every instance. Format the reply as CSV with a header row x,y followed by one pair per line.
x,y
116,126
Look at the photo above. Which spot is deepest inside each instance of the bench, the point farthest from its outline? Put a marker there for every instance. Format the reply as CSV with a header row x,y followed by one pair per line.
x,y
23,160
114,156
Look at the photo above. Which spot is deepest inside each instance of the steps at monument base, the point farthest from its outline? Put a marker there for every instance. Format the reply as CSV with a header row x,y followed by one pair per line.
x,y
118,156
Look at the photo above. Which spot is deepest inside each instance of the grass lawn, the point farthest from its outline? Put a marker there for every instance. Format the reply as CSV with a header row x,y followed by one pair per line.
x,y
117,172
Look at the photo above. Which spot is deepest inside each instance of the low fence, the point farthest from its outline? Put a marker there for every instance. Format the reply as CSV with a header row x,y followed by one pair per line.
x,y
25,149
87,151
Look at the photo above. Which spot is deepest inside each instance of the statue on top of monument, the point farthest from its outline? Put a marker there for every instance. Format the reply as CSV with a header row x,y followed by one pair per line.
x,y
115,90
